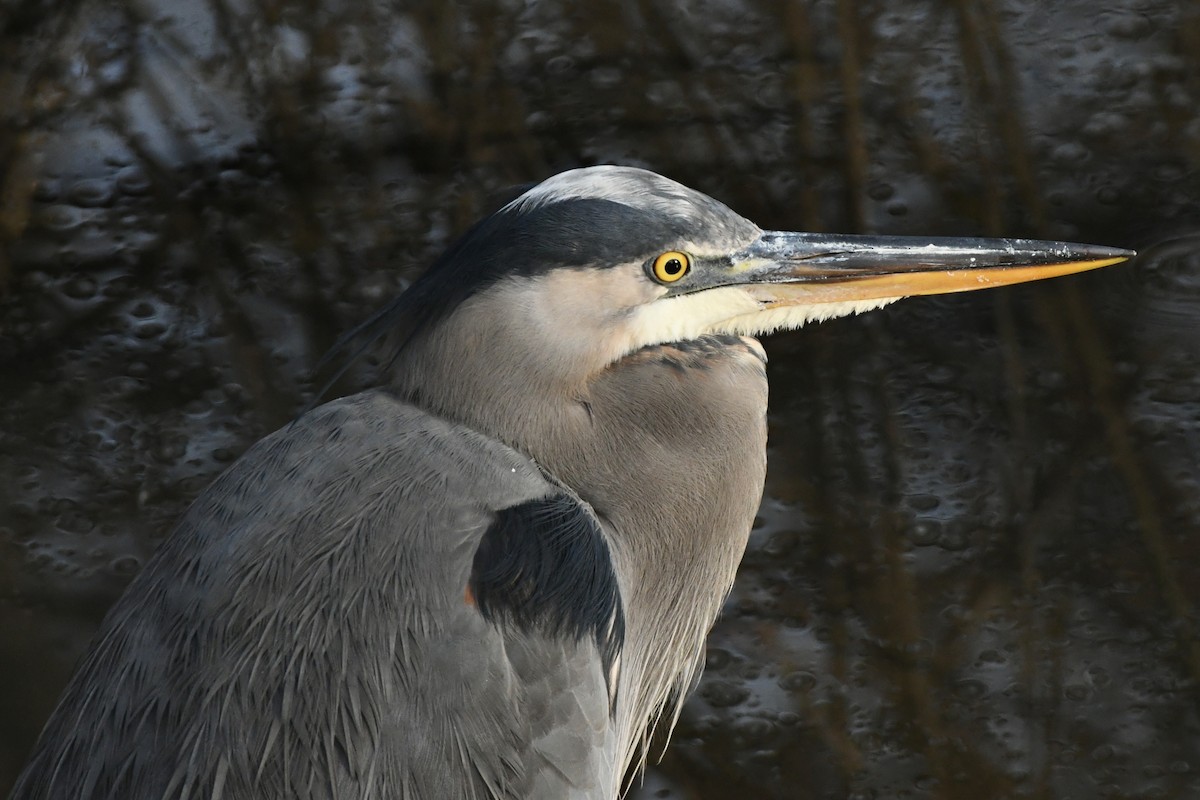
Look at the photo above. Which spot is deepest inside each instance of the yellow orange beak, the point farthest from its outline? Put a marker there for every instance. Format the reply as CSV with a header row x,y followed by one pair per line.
x,y
825,268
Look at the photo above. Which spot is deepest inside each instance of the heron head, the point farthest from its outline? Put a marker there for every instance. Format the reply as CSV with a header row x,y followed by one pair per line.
x,y
596,263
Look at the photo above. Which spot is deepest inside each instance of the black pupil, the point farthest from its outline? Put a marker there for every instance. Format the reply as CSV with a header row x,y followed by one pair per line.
x,y
673,267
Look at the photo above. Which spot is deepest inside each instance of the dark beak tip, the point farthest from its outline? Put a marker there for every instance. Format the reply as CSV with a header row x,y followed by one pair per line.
x,y
1109,252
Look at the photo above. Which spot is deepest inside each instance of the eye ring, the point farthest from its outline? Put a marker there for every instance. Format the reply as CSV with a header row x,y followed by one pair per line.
x,y
671,266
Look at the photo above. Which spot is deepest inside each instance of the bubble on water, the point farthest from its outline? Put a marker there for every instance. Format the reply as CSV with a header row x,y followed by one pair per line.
x,y
755,731
798,681
879,190
925,532
91,193
125,566
133,181
717,658
80,287
61,218
723,693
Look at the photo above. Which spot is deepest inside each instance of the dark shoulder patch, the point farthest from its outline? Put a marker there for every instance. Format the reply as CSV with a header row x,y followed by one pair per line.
x,y
544,564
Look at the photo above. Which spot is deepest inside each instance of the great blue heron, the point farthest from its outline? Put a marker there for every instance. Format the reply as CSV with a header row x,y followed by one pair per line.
x,y
491,576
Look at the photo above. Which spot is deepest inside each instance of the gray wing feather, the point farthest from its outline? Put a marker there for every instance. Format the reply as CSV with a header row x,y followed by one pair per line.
x,y
305,633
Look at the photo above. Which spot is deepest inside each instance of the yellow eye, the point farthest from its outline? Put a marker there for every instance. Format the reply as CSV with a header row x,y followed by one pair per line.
x,y
671,266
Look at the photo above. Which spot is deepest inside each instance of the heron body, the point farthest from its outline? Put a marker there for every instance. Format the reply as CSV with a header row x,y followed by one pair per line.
x,y
491,576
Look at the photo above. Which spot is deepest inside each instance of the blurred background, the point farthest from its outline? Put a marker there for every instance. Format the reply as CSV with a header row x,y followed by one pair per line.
x,y
976,572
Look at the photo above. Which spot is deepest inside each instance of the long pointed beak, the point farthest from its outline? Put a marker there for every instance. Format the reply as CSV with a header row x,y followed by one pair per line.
x,y
825,268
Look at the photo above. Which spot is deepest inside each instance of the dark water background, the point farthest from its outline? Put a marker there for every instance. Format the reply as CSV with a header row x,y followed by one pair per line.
x,y
977,570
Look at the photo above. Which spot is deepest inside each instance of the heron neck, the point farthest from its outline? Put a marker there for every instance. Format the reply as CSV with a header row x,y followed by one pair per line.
x,y
667,445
